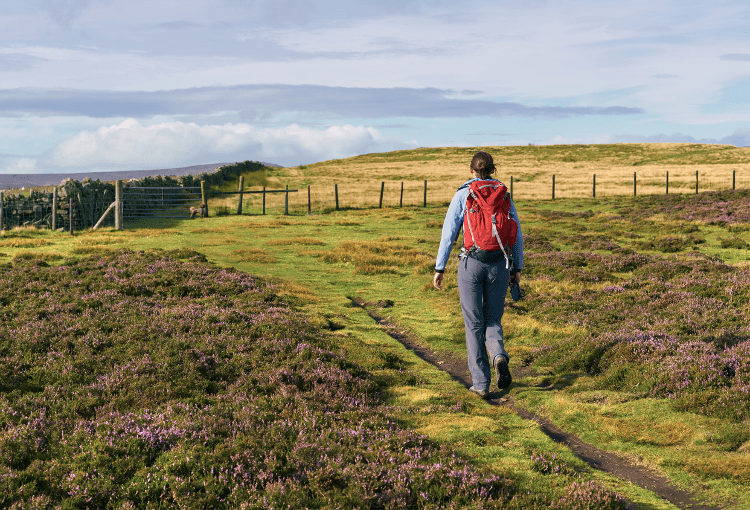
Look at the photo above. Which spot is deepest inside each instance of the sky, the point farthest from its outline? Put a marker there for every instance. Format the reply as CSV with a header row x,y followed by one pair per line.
x,y
104,85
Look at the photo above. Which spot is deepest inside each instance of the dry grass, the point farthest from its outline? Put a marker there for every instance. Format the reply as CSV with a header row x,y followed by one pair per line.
x,y
359,178
214,230
91,240
734,466
289,241
253,255
24,243
377,257
89,249
645,432
37,255
152,232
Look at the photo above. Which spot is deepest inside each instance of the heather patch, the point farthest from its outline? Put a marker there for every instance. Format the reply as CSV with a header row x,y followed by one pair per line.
x,y
734,242
670,244
538,242
550,464
590,496
675,329
147,380
712,207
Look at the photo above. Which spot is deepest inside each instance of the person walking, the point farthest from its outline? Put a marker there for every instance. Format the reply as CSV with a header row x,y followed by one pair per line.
x,y
484,268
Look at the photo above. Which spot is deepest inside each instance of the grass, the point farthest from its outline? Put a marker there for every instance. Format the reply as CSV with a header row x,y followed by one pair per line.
x,y
614,251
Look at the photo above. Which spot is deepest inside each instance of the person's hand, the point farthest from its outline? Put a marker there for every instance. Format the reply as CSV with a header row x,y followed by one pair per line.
x,y
515,277
437,281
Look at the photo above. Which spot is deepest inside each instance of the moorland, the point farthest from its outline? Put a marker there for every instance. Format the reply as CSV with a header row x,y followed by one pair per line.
x,y
220,362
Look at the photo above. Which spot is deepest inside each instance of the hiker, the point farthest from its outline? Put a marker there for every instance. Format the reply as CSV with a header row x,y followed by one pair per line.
x,y
484,267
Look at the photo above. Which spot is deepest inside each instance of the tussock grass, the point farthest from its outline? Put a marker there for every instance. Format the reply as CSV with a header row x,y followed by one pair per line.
x,y
253,255
88,240
91,248
24,242
347,223
289,241
24,232
212,230
38,255
153,232
376,257
256,224
735,467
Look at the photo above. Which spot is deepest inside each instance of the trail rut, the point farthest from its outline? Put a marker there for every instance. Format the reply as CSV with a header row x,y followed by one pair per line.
x,y
593,456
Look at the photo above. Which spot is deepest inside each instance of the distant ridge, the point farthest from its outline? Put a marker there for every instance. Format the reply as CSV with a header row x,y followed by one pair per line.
x,y
9,181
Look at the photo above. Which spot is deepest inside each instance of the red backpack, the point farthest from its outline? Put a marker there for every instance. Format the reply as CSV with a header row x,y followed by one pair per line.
x,y
488,224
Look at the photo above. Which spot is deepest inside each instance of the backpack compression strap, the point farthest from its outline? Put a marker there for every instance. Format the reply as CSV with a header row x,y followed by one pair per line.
x,y
497,236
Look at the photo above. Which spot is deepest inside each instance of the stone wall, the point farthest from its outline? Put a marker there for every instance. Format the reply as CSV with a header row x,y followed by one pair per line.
x,y
92,197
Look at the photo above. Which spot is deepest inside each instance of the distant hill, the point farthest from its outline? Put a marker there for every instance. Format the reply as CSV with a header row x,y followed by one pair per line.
x,y
10,181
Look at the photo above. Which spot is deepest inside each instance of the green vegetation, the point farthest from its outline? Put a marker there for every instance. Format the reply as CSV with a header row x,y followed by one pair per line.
x,y
633,332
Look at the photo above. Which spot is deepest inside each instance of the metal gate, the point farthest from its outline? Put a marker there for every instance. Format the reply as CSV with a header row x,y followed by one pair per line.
x,y
174,202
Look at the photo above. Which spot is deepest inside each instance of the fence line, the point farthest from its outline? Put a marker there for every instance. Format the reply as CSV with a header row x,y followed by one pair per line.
x,y
47,210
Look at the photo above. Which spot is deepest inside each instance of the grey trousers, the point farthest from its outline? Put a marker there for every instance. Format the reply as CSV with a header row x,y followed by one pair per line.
x,y
482,287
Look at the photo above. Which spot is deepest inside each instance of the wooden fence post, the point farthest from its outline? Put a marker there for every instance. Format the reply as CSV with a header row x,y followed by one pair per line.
x,y
401,200
696,182
382,188
336,192
553,186
70,214
2,204
309,201
593,191
118,206
733,179
634,193
53,223
667,182
242,187
511,187
264,200
286,201
203,197
425,193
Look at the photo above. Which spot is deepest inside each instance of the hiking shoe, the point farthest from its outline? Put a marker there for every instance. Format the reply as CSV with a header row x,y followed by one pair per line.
x,y
501,369
481,393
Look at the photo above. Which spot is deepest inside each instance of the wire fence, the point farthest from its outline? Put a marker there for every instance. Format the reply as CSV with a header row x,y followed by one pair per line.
x,y
82,205
160,202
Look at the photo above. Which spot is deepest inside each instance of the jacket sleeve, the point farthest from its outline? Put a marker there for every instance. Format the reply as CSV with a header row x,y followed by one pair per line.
x,y
518,247
454,219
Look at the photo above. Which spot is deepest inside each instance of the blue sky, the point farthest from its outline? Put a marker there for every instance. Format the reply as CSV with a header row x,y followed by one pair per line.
x,y
139,84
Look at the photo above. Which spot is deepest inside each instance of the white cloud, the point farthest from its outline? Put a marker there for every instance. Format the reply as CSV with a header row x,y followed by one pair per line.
x,y
130,144
19,166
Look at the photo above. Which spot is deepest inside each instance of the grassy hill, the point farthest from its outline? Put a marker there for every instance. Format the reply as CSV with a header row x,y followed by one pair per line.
x,y
531,167
633,334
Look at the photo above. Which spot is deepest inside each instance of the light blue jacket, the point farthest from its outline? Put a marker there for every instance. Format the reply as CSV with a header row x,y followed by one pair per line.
x,y
454,220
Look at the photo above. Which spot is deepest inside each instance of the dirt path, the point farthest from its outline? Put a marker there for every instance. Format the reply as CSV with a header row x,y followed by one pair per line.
x,y
593,456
